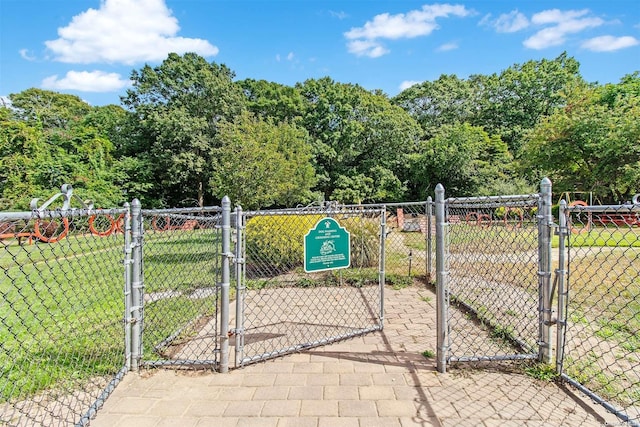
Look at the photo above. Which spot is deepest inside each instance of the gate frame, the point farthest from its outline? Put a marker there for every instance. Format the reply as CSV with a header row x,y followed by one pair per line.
x,y
545,289
239,256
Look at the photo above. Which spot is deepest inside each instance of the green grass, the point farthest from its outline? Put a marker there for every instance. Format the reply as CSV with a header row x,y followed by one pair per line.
x,y
61,320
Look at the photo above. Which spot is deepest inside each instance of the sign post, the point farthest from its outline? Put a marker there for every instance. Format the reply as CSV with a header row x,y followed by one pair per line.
x,y
327,246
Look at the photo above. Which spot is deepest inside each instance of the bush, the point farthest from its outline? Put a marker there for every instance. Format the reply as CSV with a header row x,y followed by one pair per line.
x,y
275,243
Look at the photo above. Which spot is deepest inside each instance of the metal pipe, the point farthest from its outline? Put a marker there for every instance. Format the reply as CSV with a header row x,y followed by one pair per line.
x,y
429,237
545,224
240,288
442,285
382,262
224,285
563,294
137,284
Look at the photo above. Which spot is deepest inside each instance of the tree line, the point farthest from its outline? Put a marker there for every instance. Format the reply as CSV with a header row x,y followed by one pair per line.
x,y
187,133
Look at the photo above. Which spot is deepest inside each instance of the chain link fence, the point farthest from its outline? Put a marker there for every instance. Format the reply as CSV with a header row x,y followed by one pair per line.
x,y
79,309
182,249
283,305
492,263
409,242
599,307
61,314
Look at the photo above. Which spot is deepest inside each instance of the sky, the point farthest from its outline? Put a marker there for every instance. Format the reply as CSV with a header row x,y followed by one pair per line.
x,y
89,48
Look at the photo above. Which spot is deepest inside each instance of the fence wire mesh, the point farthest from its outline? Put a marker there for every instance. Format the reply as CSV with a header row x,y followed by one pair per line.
x,y
410,228
181,286
602,325
493,277
61,315
285,309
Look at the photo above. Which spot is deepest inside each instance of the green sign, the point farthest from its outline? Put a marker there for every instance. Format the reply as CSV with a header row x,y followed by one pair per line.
x,y
327,246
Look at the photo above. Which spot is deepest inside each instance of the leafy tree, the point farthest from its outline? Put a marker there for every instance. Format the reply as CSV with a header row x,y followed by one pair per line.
x,y
593,144
47,142
356,135
261,164
463,158
178,106
520,96
273,100
447,100
51,110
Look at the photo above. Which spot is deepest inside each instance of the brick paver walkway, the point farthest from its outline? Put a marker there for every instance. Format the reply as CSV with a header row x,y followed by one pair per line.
x,y
380,379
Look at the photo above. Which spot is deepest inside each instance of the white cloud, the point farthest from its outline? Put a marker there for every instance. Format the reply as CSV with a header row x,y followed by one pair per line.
x,y
562,23
408,83
340,15
365,40
369,48
609,43
24,53
510,22
290,56
447,46
86,81
124,31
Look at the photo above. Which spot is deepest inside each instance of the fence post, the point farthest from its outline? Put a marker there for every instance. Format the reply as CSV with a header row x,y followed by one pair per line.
x,y
224,285
442,285
545,297
128,275
382,262
137,284
429,237
240,287
561,276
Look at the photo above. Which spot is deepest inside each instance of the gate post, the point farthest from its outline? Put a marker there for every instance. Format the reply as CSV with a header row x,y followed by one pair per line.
x,y
429,237
240,287
442,284
545,296
561,276
224,285
137,285
382,263
128,277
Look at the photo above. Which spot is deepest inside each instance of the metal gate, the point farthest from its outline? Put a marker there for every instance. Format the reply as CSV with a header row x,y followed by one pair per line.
x,y
494,265
280,308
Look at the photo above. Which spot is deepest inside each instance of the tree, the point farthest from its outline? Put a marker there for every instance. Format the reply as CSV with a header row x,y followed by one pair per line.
x,y
520,96
178,106
273,100
447,100
356,135
463,158
46,142
592,144
260,164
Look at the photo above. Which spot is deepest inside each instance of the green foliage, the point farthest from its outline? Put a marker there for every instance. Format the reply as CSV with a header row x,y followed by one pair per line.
x,y
359,138
592,143
275,243
428,354
260,164
177,107
542,371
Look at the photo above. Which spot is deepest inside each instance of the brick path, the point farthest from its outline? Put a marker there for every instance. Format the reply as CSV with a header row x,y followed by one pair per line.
x,y
380,379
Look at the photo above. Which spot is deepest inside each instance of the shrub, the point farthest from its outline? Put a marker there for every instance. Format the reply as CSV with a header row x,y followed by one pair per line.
x,y
275,243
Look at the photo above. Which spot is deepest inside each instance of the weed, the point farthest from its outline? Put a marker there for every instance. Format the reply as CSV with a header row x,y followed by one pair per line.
x,y
542,371
429,354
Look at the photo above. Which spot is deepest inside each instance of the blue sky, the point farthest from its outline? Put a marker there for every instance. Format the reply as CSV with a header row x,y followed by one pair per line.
x,y
89,47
